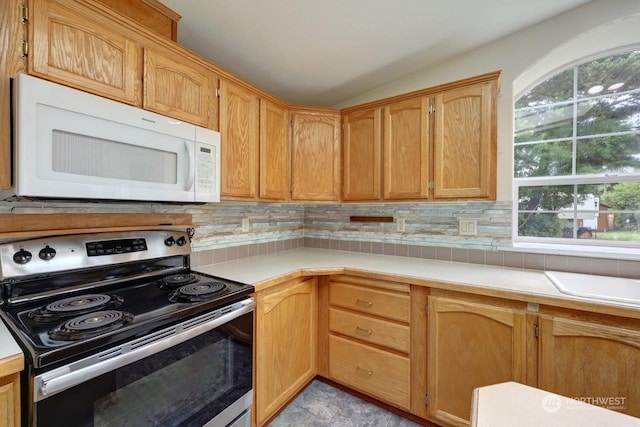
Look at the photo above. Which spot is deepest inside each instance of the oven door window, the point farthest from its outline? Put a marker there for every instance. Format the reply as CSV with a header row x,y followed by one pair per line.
x,y
188,384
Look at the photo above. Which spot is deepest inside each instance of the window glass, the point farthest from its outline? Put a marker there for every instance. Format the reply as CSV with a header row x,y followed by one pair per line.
x,y
577,155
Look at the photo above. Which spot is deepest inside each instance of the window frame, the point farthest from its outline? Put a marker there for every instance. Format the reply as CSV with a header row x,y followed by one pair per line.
x,y
573,244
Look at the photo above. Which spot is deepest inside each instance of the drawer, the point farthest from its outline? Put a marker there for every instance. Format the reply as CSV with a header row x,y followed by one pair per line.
x,y
370,329
378,373
392,305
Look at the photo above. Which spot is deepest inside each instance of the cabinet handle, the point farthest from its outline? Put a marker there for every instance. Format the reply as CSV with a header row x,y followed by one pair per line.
x,y
365,331
363,302
364,371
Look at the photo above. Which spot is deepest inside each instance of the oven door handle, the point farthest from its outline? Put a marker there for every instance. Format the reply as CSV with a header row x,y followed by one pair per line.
x,y
65,377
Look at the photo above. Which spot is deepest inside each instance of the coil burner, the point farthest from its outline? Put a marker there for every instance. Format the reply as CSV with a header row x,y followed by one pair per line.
x,y
89,325
75,306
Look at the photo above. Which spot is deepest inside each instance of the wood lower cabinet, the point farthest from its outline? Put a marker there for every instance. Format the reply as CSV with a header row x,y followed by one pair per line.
x,y
10,400
361,155
315,156
369,337
239,129
471,345
70,48
274,151
285,344
407,155
464,143
176,86
592,359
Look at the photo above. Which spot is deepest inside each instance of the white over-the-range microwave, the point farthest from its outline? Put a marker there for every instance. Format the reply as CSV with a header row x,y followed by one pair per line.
x,y
74,145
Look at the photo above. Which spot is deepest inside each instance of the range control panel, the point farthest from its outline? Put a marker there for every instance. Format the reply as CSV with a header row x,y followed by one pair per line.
x,y
63,253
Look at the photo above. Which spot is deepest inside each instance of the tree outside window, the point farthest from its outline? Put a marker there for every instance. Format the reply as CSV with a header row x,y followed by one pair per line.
x,y
577,155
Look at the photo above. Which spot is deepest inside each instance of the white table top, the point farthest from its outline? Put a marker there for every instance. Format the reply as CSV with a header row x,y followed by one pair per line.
x,y
512,404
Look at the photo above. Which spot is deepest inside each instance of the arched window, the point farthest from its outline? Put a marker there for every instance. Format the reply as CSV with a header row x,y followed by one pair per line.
x,y
577,155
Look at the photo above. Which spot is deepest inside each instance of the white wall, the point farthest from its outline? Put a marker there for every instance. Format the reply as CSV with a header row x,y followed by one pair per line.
x,y
524,57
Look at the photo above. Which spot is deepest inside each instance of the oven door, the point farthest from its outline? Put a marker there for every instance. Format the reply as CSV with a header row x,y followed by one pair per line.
x,y
206,379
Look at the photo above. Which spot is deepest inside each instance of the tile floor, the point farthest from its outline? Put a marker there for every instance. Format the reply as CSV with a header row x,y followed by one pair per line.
x,y
323,405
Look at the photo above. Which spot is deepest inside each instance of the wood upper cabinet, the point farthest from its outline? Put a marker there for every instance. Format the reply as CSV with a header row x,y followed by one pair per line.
x,y
285,344
464,143
470,345
69,48
315,156
406,150
239,129
361,155
178,87
595,359
274,151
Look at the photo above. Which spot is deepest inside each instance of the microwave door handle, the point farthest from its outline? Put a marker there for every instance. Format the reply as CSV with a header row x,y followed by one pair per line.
x,y
190,170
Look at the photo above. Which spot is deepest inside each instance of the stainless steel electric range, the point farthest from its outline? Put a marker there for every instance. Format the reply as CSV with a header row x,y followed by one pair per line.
x,y
118,330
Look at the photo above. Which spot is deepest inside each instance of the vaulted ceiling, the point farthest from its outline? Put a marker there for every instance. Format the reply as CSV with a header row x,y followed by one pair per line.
x,y
320,53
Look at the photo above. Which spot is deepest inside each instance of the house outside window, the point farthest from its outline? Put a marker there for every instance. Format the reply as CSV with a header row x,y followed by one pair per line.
x,y
577,155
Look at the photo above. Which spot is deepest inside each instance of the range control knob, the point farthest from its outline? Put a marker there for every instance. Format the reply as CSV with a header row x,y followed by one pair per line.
x,y
22,257
47,253
181,241
170,241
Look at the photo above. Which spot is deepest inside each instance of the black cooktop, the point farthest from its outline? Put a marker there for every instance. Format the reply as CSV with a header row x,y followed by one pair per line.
x,y
68,326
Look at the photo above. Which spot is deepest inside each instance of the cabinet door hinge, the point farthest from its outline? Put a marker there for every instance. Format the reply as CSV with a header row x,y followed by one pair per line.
x,y
432,109
430,185
217,92
426,308
426,399
536,330
25,48
24,13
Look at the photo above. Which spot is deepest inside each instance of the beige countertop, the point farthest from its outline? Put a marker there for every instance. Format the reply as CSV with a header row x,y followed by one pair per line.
x,y
523,285
11,357
512,404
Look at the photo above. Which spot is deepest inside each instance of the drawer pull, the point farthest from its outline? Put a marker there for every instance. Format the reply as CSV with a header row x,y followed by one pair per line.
x,y
364,371
363,302
364,331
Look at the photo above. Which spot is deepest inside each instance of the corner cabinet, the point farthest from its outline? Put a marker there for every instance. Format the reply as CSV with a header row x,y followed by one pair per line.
x,y
315,156
176,86
464,143
285,344
239,128
592,358
471,344
69,48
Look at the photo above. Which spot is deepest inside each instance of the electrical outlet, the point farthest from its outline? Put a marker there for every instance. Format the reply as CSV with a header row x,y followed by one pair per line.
x,y
467,227
245,224
400,224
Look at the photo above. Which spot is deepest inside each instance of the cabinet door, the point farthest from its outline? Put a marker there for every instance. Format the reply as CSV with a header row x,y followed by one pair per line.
x,y
591,360
285,344
406,149
361,155
10,400
177,87
470,345
68,48
465,143
315,156
274,151
239,121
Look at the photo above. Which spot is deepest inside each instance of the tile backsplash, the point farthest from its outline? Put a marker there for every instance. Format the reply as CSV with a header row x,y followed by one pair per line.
x,y
431,231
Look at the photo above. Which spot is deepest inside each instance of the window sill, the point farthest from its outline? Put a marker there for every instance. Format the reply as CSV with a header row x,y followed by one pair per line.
x,y
620,253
